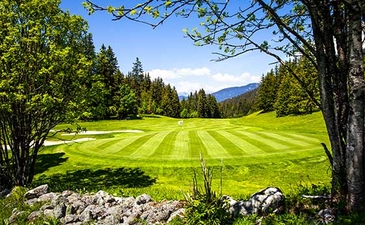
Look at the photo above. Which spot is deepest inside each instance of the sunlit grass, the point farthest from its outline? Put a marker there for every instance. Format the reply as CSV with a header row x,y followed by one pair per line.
x,y
259,150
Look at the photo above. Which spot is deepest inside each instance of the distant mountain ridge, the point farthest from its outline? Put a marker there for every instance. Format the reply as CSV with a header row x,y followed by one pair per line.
x,y
228,93
232,92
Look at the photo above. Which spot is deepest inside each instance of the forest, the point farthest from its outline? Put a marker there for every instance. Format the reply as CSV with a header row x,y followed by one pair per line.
x,y
110,94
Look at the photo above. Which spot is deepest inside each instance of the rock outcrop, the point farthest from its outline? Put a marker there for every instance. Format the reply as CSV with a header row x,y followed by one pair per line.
x,y
268,200
102,208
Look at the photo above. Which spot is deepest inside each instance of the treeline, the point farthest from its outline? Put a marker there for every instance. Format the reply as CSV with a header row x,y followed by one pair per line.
x,y
239,106
279,91
110,94
199,105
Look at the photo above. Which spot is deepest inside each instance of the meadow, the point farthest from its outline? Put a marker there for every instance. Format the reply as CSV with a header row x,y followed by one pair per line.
x,y
247,154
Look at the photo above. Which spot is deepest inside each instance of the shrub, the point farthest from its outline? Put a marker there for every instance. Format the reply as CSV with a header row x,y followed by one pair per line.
x,y
204,206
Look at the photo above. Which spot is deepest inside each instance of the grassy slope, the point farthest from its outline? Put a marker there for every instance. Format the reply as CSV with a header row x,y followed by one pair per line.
x,y
256,151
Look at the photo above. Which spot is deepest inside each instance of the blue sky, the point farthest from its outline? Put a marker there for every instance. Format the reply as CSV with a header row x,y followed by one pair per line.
x,y
166,53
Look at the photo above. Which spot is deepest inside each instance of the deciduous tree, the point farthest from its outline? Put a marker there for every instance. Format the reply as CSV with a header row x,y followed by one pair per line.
x,y
42,71
331,32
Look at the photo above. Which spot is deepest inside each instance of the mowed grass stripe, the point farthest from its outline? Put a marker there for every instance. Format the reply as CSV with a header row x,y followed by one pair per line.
x,y
196,146
119,145
239,140
181,146
303,138
256,136
259,144
215,150
135,145
165,149
149,147
282,139
230,146
107,143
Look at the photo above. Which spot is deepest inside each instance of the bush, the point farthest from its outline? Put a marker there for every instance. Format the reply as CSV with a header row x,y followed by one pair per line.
x,y
204,206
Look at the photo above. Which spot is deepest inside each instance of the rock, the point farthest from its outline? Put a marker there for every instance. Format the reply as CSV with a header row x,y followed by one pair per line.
x,y
268,200
36,192
47,197
70,209
102,208
327,216
31,201
34,215
48,213
86,215
70,219
4,192
178,213
79,206
142,199
59,211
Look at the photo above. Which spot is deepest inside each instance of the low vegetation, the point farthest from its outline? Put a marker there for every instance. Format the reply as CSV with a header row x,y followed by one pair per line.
x,y
243,156
256,151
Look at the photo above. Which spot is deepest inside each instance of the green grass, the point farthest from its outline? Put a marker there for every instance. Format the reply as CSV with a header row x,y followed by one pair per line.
x,y
259,150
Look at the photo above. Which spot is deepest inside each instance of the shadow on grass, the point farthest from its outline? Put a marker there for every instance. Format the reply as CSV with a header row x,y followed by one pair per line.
x,y
46,161
94,180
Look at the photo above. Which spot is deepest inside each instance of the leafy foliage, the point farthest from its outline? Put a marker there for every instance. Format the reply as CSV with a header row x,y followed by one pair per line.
x,y
239,106
43,66
200,105
281,92
204,206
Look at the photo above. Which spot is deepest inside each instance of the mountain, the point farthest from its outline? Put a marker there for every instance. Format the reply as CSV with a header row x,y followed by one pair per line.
x,y
240,105
231,92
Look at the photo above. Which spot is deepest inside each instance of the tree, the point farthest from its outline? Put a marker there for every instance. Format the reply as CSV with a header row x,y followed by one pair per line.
x,y
42,71
106,69
136,78
202,104
170,104
331,32
291,98
267,92
126,102
213,106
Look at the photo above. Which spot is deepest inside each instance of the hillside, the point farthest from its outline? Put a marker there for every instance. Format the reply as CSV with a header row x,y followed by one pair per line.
x,y
231,92
240,105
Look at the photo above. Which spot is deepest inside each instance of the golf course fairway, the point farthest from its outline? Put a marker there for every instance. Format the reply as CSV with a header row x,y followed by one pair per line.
x,y
158,155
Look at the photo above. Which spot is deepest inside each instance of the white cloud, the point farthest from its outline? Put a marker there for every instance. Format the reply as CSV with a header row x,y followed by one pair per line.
x,y
187,86
178,73
225,77
244,78
188,80
164,74
193,72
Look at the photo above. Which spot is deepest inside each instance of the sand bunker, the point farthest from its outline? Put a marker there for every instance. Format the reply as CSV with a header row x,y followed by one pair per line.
x,y
50,143
103,132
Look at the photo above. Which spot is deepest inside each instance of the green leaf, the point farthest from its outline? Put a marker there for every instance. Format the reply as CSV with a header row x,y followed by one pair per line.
x,y
110,9
168,4
121,11
156,14
148,9
133,12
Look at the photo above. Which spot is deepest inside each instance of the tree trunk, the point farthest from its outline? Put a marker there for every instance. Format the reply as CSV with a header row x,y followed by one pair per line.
x,y
342,85
355,132
329,103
